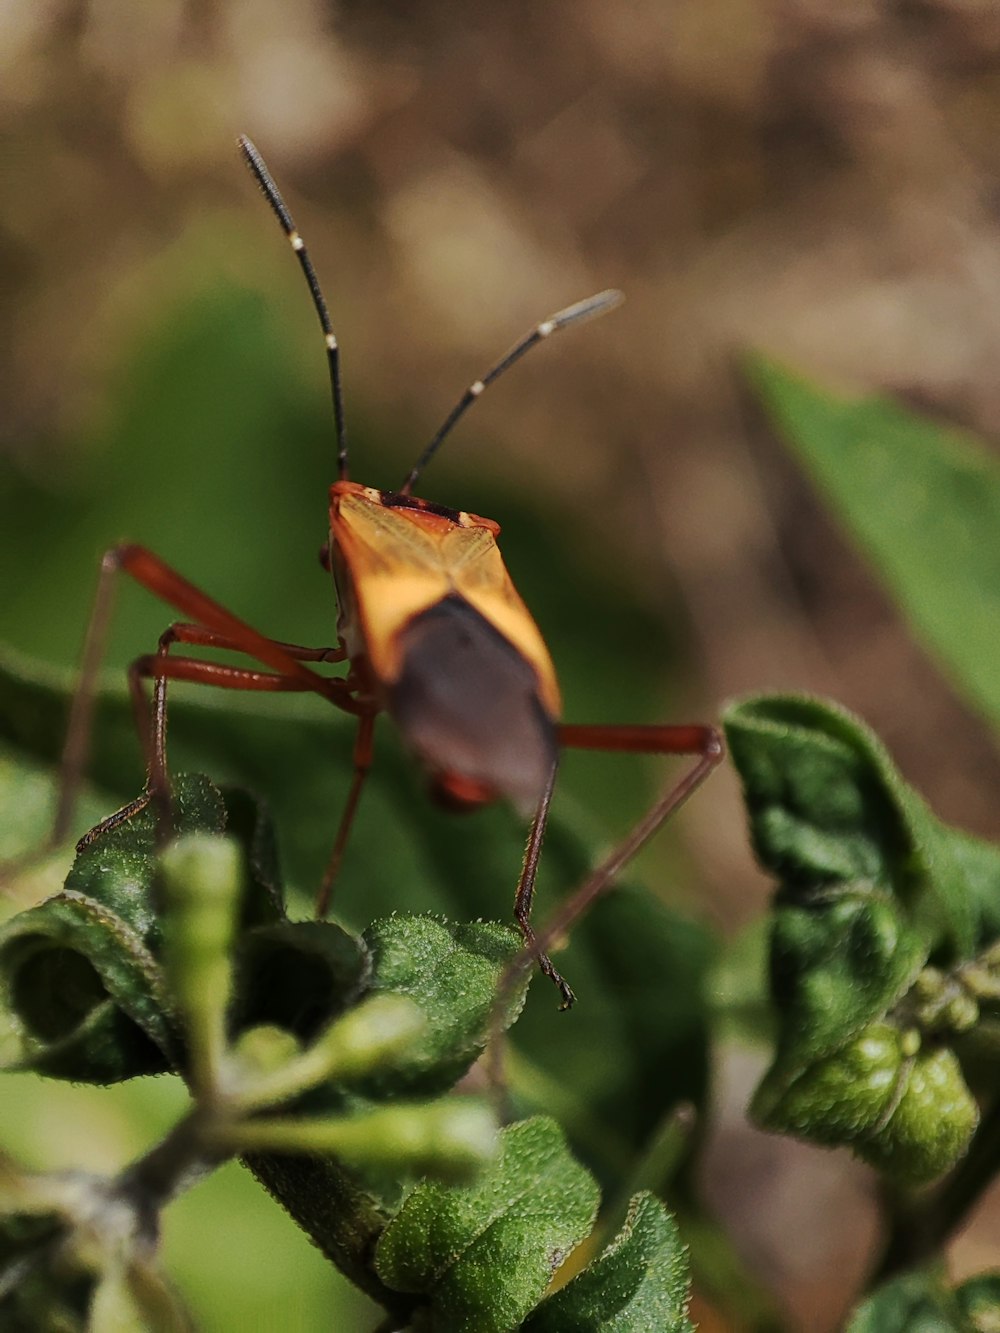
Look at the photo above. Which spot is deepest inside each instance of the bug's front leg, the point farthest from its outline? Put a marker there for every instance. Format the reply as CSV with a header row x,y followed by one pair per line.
x,y
215,626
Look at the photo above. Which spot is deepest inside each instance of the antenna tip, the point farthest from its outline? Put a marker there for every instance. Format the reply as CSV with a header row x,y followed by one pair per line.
x,y
610,298
588,309
251,156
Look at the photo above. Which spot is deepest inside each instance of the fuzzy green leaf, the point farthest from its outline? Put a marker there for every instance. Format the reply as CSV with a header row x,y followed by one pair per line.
x,y
872,889
480,1257
979,1299
298,975
831,820
921,1302
639,1282
118,870
452,972
81,996
825,803
82,993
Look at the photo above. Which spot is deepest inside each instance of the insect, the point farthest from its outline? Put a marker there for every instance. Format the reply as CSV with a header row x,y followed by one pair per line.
x,y
432,632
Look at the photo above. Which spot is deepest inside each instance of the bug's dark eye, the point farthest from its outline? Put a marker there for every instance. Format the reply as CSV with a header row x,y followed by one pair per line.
x,y
324,556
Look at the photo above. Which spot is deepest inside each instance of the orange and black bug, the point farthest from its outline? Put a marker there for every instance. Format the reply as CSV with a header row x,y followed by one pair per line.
x,y
433,633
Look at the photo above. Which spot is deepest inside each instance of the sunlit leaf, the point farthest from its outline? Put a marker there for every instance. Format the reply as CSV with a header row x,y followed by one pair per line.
x,y
922,499
480,1257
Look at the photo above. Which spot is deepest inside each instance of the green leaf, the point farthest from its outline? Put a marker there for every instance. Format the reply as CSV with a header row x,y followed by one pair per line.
x,y
921,499
480,1257
825,802
639,1282
830,818
82,993
921,1302
638,967
837,962
81,996
979,1299
872,890
452,971
298,975
118,870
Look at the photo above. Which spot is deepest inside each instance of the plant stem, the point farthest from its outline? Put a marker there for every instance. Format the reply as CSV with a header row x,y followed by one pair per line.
x,y
920,1227
173,1164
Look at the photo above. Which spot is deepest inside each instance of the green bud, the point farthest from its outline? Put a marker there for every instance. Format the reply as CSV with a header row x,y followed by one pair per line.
x,y
262,1050
361,1041
909,1043
451,1137
929,984
962,1012
370,1035
201,877
836,1099
981,982
903,1107
930,1127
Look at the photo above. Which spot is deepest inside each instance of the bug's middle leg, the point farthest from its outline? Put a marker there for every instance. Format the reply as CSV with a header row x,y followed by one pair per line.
x,y
151,725
526,892
362,763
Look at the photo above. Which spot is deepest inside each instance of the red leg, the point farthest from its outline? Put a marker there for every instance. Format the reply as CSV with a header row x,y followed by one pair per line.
x,y
214,622
526,892
703,741
180,632
154,733
362,763
217,627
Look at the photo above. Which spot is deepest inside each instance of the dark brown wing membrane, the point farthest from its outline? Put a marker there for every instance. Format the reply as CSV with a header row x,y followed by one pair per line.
x,y
467,703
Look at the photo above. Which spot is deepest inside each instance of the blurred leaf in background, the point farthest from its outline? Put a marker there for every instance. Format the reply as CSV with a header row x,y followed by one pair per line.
x,y
922,499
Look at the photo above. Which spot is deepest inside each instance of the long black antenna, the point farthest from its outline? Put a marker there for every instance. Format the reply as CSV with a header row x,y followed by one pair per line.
x,y
573,314
273,196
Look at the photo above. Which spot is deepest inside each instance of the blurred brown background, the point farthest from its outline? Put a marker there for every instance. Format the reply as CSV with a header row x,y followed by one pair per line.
x,y
816,179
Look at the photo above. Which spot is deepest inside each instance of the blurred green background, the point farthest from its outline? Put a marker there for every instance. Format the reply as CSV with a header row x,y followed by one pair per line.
x,y
818,180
